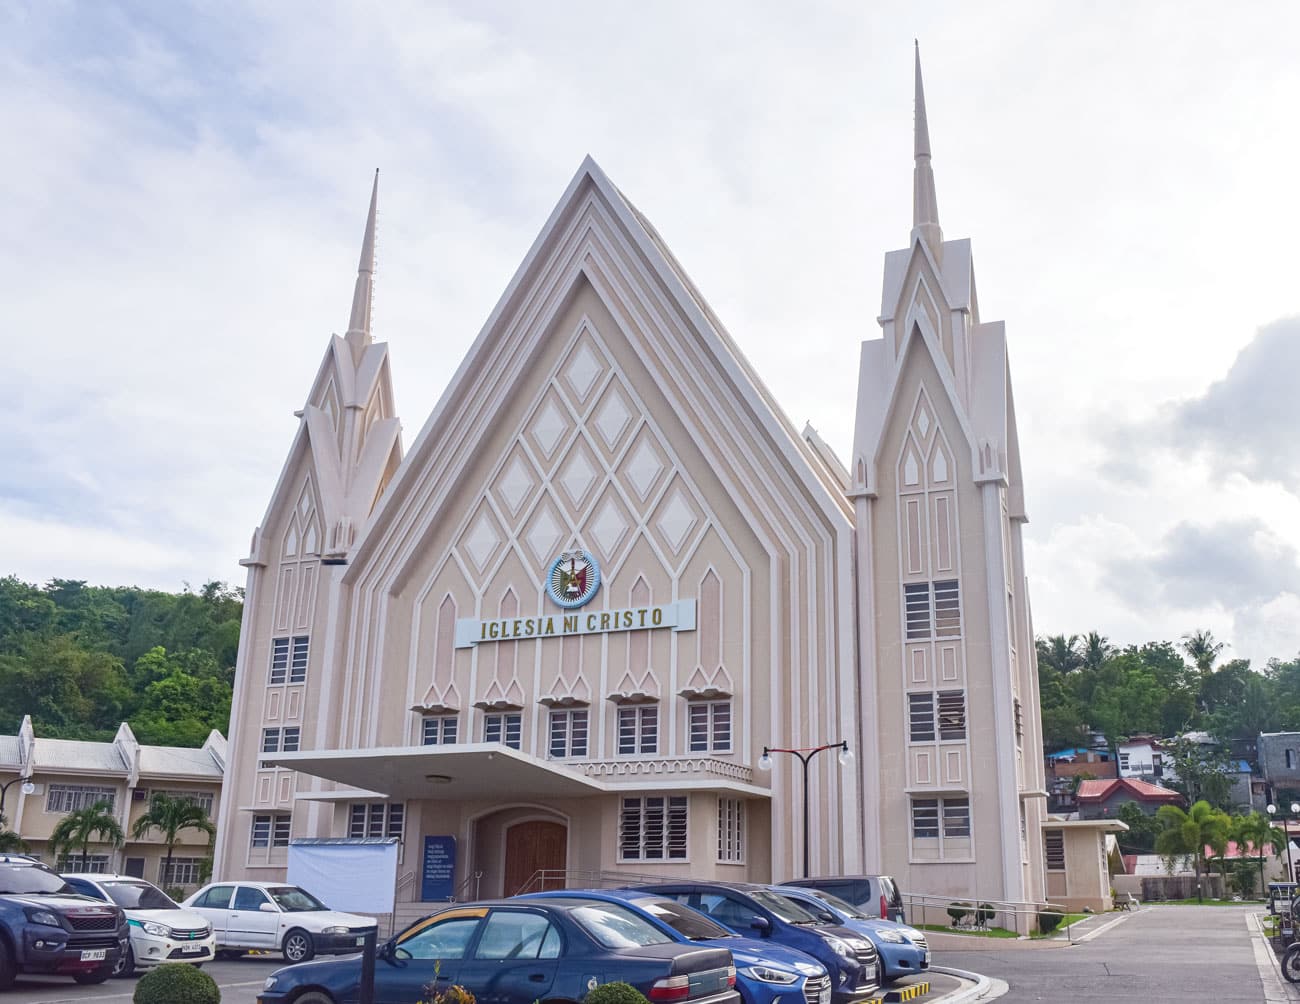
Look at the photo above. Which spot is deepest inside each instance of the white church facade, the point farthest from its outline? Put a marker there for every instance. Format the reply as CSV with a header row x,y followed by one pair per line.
x,y
554,636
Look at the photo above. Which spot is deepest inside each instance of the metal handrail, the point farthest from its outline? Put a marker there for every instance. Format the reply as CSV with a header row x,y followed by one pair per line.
x,y
559,878
1022,915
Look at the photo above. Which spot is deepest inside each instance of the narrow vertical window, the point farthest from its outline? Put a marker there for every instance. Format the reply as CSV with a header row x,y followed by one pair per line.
x,y
279,660
569,733
947,609
920,714
1054,849
916,603
298,660
952,714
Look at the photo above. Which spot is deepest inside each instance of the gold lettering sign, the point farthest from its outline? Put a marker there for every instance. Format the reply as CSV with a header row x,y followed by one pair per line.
x,y
679,616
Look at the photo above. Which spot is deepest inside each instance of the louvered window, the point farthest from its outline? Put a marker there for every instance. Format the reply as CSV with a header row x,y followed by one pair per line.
x,y
920,713
638,729
947,609
710,723
569,733
952,714
925,817
1054,848
438,730
376,819
916,598
298,661
504,728
289,659
956,817
653,828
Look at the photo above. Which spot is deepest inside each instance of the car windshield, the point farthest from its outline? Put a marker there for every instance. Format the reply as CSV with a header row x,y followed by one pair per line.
x,y
31,879
139,896
291,899
683,919
617,927
785,909
843,906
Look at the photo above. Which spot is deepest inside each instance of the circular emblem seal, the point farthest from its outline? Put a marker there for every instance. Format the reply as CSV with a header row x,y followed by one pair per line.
x,y
573,579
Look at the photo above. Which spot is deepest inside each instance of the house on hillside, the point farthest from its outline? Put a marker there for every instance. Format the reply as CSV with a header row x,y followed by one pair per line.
x,y
1103,799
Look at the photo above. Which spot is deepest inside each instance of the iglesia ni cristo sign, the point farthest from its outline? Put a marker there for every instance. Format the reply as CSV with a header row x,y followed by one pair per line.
x,y
571,582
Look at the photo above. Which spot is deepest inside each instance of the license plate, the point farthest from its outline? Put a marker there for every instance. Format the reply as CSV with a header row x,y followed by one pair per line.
x,y
191,948
824,997
926,957
94,954
361,940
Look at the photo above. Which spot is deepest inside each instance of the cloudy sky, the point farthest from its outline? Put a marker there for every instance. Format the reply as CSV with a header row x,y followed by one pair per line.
x,y
184,185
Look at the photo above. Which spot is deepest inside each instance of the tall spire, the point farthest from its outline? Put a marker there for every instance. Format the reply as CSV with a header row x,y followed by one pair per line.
x,y
925,206
359,323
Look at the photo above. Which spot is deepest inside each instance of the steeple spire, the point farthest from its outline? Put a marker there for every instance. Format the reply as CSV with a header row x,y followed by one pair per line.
x,y
359,324
925,206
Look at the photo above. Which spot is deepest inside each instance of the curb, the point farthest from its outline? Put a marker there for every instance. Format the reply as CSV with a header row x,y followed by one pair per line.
x,y
983,985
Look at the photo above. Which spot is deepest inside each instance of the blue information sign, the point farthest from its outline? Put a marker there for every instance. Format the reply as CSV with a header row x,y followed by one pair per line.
x,y
438,868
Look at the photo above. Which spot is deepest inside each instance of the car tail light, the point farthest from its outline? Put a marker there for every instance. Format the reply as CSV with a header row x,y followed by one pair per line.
x,y
731,976
884,908
673,988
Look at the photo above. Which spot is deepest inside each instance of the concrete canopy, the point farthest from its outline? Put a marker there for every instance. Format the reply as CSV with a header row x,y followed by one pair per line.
x,y
473,771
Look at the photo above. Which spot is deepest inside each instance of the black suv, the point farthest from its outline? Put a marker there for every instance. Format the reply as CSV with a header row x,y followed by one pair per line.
x,y
46,927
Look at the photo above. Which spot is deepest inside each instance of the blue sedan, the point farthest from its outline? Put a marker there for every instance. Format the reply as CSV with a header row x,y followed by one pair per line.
x,y
543,951
766,973
903,950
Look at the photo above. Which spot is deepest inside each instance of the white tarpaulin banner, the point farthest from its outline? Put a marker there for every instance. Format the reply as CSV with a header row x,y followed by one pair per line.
x,y
356,876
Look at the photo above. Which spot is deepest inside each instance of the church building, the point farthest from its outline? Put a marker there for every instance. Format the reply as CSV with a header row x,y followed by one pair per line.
x,y
556,636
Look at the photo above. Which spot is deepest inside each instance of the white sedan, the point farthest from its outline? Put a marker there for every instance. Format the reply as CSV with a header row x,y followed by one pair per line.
x,y
277,917
161,930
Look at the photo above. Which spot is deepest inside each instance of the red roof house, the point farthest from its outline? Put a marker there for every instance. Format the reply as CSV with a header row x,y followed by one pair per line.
x,y
1102,799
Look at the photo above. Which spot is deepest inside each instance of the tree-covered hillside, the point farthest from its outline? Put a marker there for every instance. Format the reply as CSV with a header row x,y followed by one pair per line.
x,y
1161,689
82,659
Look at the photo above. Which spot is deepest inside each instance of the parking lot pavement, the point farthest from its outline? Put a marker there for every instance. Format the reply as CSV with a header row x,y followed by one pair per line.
x,y
239,980
1157,955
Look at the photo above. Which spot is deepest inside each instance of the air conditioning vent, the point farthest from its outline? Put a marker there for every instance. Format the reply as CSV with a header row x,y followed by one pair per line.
x,y
140,794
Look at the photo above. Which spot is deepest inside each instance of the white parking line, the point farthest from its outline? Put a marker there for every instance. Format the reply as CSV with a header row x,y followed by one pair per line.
x,y
1098,931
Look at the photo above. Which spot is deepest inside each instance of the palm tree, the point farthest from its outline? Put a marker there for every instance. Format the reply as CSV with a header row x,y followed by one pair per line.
x,y
9,840
169,816
1257,832
77,830
1096,650
1189,832
1060,652
1202,649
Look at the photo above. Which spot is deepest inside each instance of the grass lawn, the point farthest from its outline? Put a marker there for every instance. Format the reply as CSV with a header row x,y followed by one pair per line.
x,y
1197,902
1069,918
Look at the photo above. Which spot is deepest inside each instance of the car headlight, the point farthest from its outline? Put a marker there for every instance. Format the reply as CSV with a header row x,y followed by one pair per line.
x,y
38,916
334,930
268,983
893,937
912,934
766,974
840,948
156,929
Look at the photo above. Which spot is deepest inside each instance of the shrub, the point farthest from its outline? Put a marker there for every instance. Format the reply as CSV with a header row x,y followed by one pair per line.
x,y
614,993
984,914
958,912
176,983
1049,920
454,994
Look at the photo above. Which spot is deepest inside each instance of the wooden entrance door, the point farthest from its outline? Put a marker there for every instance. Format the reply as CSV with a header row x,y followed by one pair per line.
x,y
530,848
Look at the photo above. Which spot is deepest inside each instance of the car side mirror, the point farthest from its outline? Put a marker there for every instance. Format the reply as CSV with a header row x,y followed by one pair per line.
x,y
762,925
268,908
828,918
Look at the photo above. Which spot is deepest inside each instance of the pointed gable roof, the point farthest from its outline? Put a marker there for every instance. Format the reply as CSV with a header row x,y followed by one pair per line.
x,y
593,233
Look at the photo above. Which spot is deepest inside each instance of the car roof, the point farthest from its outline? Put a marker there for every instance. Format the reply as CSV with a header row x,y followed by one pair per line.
x,y
697,884
835,878
105,877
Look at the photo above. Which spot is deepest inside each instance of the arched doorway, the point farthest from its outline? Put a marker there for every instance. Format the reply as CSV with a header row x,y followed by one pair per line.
x,y
535,845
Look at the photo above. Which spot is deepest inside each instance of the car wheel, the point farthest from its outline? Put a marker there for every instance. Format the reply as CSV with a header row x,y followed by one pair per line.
x,y
297,946
314,997
94,976
7,968
125,964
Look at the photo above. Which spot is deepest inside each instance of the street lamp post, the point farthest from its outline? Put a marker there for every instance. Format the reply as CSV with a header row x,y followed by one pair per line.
x,y
805,755
27,789
1286,829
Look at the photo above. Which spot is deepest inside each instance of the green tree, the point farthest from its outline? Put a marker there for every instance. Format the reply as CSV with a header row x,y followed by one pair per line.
x,y
1060,653
80,828
1202,648
1203,771
169,816
1189,833
1257,834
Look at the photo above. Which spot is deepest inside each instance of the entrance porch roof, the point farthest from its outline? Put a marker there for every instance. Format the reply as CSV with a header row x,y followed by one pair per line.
x,y
492,771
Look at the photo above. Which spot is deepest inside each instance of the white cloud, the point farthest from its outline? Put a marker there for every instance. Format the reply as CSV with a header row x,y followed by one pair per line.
x,y
188,200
